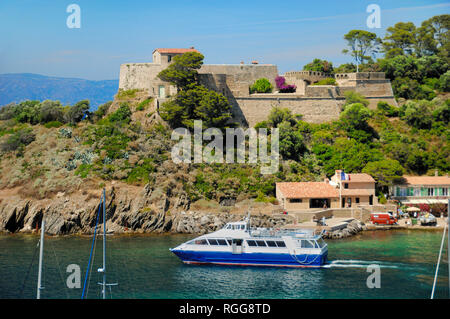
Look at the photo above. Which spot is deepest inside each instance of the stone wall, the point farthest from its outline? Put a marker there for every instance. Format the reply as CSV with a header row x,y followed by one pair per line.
x,y
256,108
317,104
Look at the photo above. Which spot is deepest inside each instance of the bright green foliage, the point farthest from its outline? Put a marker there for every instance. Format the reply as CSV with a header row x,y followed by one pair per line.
x,y
352,97
385,172
418,114
83,170
327,81
183,70
193,101
363,44
290,142
442,112
355,116
75,113
278,115
126,94
320,66
196,103
400,39
444,82
144,104
102,110
140,173
261,86
123,114
53,124
387,109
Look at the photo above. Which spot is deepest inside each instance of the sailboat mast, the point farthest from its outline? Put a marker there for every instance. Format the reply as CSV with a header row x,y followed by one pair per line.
x,y
41,256
104,246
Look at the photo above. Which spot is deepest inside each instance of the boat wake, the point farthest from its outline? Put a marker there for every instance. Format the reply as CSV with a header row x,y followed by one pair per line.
x,y
352,263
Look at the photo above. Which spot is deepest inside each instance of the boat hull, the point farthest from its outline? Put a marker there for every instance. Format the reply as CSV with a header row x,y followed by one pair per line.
x,y
251,259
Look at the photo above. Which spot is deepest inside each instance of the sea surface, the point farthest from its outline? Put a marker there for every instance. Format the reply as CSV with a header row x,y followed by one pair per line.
x,y
143,267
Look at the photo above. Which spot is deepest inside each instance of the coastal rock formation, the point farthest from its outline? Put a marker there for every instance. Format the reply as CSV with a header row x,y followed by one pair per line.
x,y
129,209
351,229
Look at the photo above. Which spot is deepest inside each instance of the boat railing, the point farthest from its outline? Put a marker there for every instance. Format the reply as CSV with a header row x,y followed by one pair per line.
x,y
264,232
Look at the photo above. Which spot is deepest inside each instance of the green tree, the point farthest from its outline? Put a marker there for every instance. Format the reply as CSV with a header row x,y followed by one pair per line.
x,y
418,114
400,39
278,115
320,66
76,113
122,114
444,82
213,109
291,141
261,86
363,44
385,172
433,36
352,97
183,70
196,103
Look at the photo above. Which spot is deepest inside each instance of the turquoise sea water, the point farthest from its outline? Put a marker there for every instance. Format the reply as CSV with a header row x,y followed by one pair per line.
x,y
145,268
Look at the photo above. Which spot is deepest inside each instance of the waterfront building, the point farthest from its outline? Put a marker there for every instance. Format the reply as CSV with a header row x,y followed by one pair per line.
x,y
354,189
294,196
419,190
342,191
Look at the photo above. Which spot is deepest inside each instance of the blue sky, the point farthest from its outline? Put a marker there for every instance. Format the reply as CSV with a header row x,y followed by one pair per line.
x,y
34,37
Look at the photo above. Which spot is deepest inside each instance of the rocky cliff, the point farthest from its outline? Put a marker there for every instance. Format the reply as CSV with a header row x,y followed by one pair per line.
x,y
129,209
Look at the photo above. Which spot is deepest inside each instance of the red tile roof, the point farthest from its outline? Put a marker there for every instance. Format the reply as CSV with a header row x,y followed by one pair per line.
x,y
427,180
362,177
307,190
175,51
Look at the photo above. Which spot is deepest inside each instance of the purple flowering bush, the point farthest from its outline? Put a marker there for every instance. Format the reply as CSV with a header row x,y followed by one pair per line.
x,y
283,87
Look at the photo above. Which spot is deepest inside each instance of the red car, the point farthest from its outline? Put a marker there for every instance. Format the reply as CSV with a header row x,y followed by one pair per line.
x,y
382,218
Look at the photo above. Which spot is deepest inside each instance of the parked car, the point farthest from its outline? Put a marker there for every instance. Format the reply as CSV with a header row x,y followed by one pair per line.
x,y
427,219
382,218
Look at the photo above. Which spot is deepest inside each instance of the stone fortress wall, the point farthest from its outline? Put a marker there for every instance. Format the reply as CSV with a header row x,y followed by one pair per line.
x,y
317,103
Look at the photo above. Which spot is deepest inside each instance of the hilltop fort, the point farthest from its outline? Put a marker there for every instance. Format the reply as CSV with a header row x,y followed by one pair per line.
x,y
317,103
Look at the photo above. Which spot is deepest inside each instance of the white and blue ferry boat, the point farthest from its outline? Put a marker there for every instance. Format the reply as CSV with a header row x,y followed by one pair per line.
x,y
239,244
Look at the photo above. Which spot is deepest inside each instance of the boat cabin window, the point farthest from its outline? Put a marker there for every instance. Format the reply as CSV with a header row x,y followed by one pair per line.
x,y
307,244
251,243
261,243
271,243
198,242
238,242
321,242
230,242
222,242
280,243
213,242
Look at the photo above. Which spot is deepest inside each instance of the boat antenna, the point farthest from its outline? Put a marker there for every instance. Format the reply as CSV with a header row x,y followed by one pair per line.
x,y
103,270
41,257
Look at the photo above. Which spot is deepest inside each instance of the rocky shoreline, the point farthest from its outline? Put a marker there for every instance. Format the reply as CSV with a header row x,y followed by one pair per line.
x,y
131,210
128,210
352,228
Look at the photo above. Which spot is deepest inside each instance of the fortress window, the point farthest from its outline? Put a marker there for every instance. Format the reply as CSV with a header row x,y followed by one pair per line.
x,y
169,58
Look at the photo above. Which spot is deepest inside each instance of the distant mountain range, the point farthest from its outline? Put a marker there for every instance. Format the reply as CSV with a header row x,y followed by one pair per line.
x,y
17,87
